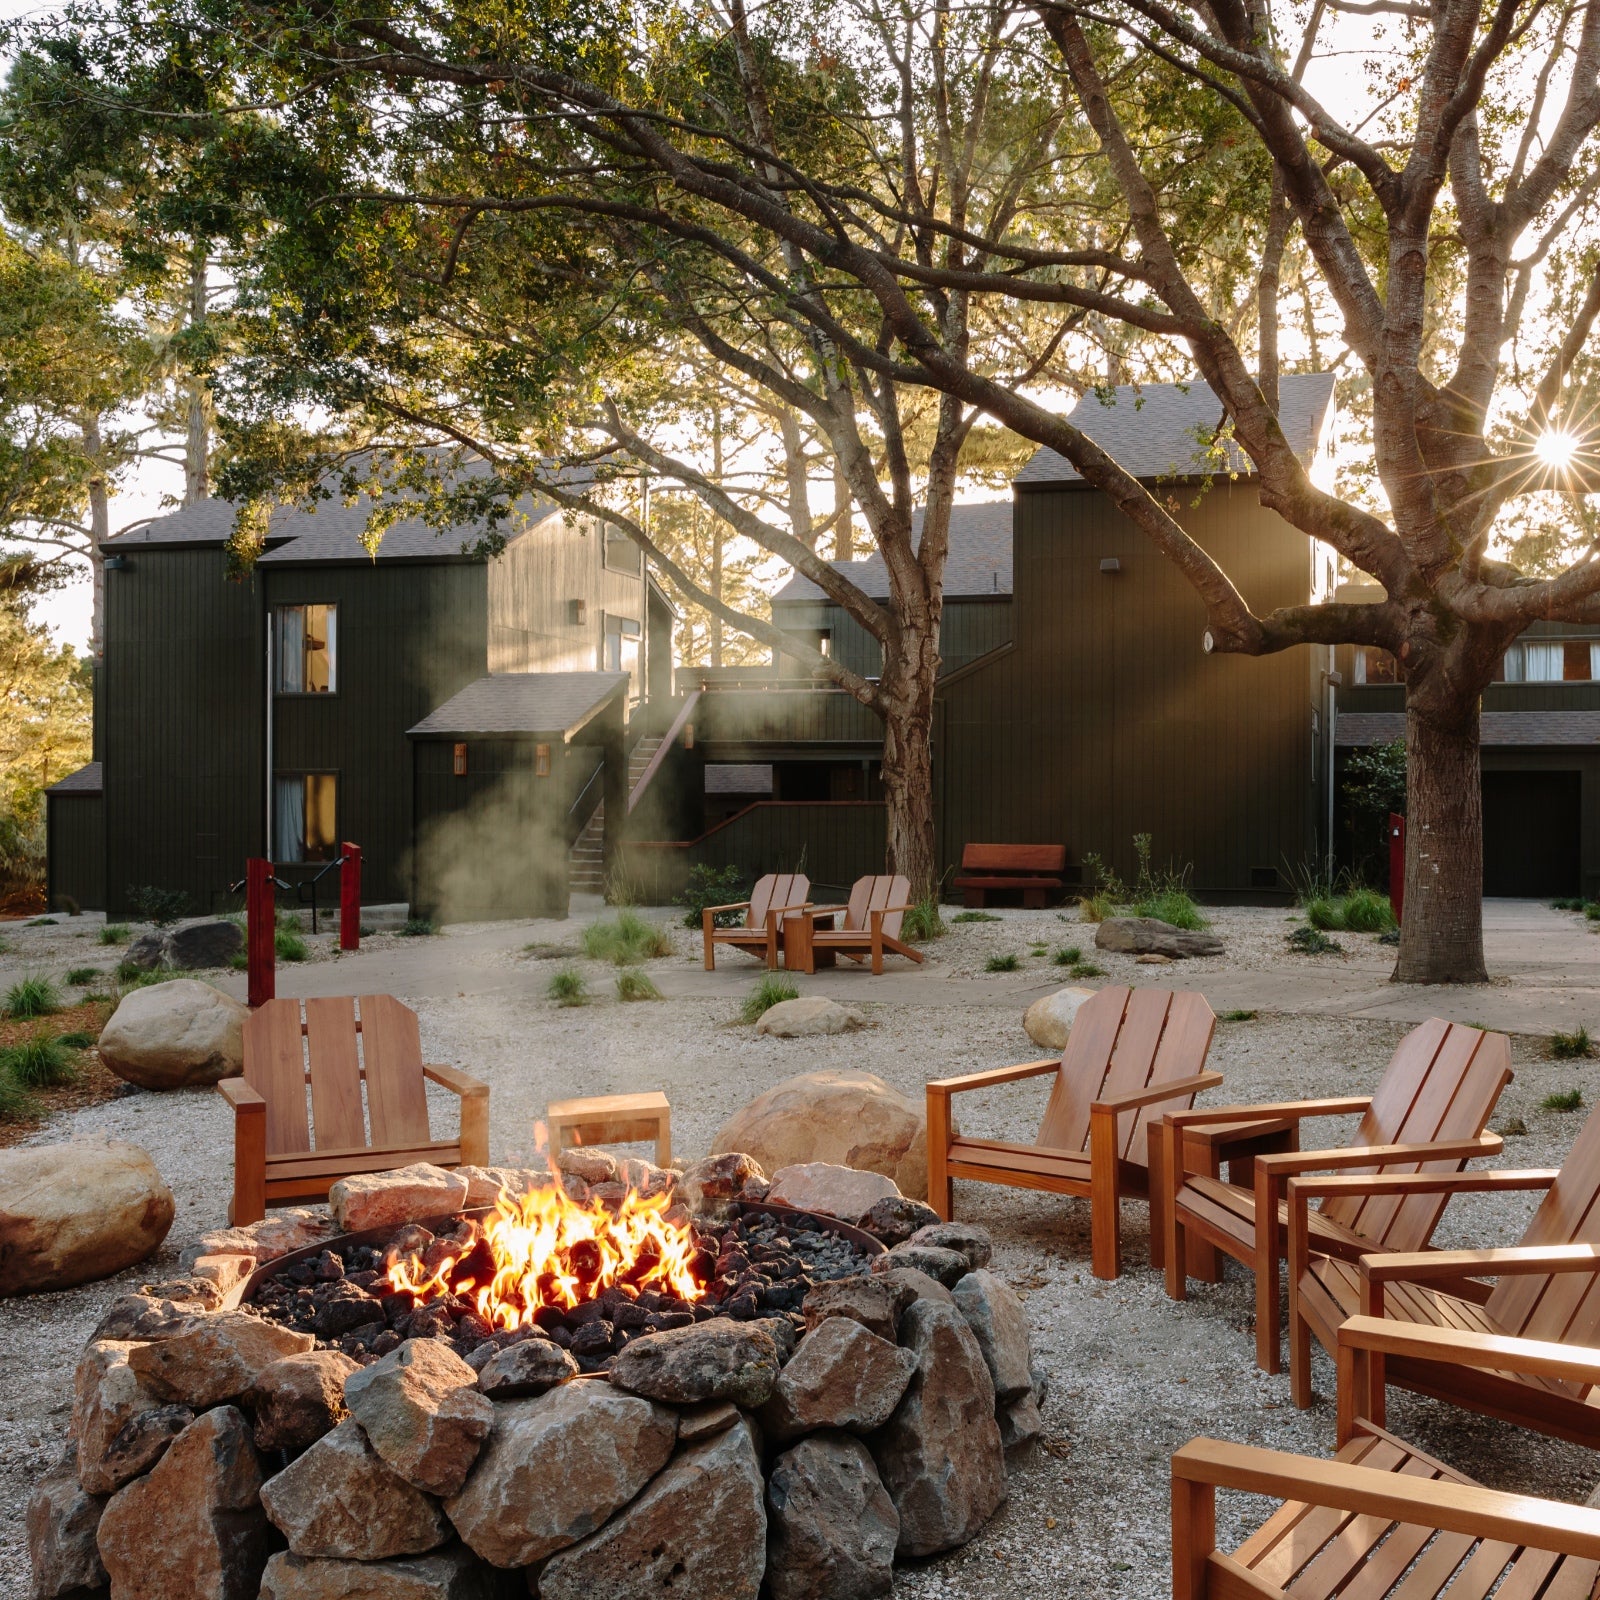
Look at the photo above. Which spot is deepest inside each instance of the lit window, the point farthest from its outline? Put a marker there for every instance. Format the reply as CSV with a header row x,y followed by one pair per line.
x,y
1375,666
306,648
1551,661
306,821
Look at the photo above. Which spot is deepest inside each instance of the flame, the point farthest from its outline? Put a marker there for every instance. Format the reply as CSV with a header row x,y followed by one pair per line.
x,y
541,1248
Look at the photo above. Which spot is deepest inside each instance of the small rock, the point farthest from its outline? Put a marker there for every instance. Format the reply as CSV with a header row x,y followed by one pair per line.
x,y
218,1358
874,1302
174,1035
143,1440
343,1309
529,1367
199,945
555,1469
141,1317
705,1420
998,1322
967,1239
62,1521
831,1526
1140,936
708,1186
341,1500
1020,1423
1048,1021
225,1272
943,1266
387,1199
896,1218
193,1525
843,1192
840,1377
718,1359
299,1399
591,1165
422,1411
107,1396
809,1018
1041,1383
918,1284
1152,960
147,952
295,1228
486,1184
450,1574
700,1528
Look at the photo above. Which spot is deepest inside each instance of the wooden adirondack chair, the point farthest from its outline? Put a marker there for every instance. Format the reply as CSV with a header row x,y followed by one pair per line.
x,y
1382,1521
772,896
872,922
1130,1051
1428,1113
274,1159
1419,1320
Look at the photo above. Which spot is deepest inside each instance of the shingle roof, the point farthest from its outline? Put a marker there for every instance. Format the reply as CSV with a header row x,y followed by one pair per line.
x,y
1358,728
524,702
979,562
730,778
1162,430
86,780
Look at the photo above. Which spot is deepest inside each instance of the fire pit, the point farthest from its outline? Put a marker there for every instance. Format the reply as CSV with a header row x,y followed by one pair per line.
x,y
618,1392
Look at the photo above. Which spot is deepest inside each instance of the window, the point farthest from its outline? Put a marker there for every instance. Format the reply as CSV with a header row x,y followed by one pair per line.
x,y
306,821
306,649
622,554
1376,666
1551,661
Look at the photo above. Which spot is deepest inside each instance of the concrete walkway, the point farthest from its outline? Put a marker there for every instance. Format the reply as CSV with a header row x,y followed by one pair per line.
x,y
1545,966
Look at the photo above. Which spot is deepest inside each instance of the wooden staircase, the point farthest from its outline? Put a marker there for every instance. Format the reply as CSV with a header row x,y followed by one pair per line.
x,y
586,865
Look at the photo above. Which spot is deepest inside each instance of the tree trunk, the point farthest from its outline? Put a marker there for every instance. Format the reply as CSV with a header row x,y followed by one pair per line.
x,y
99,532
907,774
1441,935
197,441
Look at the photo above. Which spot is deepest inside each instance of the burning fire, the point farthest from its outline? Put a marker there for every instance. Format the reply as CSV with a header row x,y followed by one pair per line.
x,y
541,1248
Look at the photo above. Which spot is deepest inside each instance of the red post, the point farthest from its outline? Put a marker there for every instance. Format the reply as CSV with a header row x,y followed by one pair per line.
x,y
1397,863
350,897
260,930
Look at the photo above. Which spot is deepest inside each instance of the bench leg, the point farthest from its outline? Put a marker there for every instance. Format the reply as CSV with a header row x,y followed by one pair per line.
x,y
972,899
707,922
664,1140
1033,899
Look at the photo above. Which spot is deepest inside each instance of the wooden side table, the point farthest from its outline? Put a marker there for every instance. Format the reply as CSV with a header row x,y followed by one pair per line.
x,y
612,1119
800,953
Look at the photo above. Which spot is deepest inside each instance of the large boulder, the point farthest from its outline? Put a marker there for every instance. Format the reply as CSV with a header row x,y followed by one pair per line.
x,y
193,1525
848,1119
1146,936
831,1526
340,1499
62,1522
808,1018
217,1358
75,1212
451,1574
840,1377
940,1456
416,1193
197,945
172,1035
699,1529
1048,1021
555,1469
718,1359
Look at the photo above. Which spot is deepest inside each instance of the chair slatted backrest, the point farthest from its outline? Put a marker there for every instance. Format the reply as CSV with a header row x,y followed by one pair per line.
x,y
386,1053
1561,1306
1124,1040
775,890
1442,1083
874,894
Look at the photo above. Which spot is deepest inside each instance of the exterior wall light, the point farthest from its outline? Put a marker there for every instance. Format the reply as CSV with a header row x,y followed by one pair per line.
x,y
458,761
1110,564
541,761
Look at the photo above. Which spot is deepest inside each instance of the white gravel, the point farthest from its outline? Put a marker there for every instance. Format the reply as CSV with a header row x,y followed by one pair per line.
x,y
1132,1374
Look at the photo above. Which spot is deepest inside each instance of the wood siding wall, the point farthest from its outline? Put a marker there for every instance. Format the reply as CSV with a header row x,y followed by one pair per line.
x,y
75,825
970,628
759,724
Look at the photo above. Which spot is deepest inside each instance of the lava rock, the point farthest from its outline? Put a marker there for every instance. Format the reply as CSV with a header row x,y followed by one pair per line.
x,y
198,945
1020,1423
343,1309
715,1360
831,1526
422,1411
995,1315
341,1499
895,1218
840,1377
940,1455
947,1267
193,1525
62,1522
874,1302
107,1396
1141,936
218,1358
175,1035
388,1199
531,1367
843,1192
299,1399
965,1238
700,1528
450,1574
555,1469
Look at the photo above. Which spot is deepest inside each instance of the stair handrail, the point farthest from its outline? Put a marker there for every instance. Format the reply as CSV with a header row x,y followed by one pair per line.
x,y
668,739
573,832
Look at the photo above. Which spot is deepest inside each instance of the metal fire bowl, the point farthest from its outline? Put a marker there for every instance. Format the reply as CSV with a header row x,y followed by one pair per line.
x,y
863,1241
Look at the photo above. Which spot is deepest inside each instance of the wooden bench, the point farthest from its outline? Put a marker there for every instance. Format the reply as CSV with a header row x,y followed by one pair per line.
x,y
612,1119
1035,871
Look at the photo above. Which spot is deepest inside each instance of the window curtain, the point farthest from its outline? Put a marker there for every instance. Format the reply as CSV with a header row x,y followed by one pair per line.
x,y
291,650
1594,661
1544,662
289,820
330,635
1515,667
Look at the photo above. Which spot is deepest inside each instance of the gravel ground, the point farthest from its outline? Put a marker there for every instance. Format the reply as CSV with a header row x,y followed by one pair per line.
x,y
1132,1374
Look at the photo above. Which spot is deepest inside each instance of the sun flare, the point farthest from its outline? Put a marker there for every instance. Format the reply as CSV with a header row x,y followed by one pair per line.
x,y
1556,448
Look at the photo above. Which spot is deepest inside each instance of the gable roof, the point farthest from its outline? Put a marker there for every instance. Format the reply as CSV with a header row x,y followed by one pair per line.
x,y
524,702
1161,430
979,563
86,780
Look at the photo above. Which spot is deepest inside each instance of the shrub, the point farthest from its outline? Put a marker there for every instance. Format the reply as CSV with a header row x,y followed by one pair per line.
x,y
97,998
42,922
632,984
772,990
568,987
416,928
239,961
1566,905
1571,1046
1006,963
1096,907
288,945
1039,950
1591,909
1563,1100
1367,911
17,1104
1238,1016
923,922
975,916
1325,914
75,1041
159,907
1071,956
1314,942
79,976
1086,969
626,940
32,997
1171,905
38,1063
115,933
714,886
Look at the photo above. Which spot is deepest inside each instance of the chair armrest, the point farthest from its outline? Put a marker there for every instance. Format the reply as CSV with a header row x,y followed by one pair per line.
x,y
1484,1352
1469,1508
1402,1183
1379,1155
240,1095
738,905
1157,1092
980,1080
1415,1267
819,911
456,1081
1293,1110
